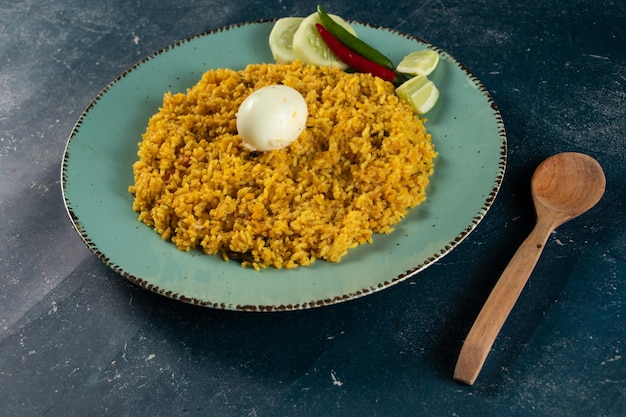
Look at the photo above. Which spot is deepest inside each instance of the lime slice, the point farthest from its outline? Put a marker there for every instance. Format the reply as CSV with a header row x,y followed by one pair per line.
x,y
419,62
281,38
420,93
309,46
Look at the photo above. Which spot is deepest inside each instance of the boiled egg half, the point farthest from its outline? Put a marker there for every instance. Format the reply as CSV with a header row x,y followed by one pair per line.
x,y
271,118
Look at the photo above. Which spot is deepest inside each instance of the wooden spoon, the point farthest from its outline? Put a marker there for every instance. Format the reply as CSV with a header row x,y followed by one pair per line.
x,y
564,186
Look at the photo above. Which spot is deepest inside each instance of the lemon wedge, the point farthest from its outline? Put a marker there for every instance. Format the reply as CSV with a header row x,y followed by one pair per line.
x,y
419,62
420,92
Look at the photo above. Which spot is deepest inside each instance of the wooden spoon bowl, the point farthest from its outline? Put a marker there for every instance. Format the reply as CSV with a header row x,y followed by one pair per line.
x,y
566,185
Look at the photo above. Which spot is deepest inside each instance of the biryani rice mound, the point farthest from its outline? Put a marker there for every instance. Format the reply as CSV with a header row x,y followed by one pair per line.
x,y
362,162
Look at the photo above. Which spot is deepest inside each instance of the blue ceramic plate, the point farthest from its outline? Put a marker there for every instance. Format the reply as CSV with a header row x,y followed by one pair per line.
x,y
466,128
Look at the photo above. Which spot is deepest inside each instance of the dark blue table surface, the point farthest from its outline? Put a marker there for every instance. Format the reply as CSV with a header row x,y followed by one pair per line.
x,y
78,339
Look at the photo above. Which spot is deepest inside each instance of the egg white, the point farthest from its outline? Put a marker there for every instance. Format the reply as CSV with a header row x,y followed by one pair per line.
x,y
271,118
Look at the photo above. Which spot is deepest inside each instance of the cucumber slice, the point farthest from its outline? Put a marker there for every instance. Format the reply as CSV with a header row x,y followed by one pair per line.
x,y
281,38
309,47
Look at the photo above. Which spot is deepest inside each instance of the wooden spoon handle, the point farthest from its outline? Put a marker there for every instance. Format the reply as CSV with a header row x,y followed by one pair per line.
x,y
499,304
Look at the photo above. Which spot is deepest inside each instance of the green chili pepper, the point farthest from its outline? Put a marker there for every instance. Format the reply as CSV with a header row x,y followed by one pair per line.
x,y
354,60
352,42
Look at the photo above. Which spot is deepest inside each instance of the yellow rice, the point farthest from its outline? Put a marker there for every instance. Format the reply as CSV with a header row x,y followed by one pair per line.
x,y
362,162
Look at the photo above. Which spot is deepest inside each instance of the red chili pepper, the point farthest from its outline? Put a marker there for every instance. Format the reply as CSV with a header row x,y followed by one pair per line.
x,y
353,59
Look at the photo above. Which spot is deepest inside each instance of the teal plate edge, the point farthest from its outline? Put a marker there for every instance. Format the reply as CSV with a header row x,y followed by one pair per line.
x,y
95,175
